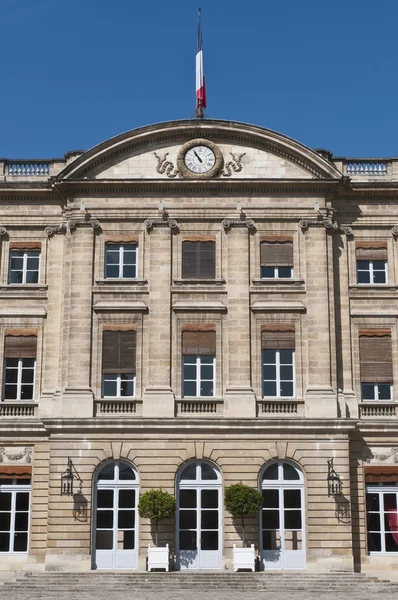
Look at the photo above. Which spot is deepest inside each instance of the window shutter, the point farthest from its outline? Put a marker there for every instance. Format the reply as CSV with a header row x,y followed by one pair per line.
x,y
278,339
276,253
198,260
375,352
381,474
371,251
119,351
195,343
21,346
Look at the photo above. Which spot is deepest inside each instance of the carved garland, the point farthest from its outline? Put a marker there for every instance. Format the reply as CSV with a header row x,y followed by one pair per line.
x,y
26,453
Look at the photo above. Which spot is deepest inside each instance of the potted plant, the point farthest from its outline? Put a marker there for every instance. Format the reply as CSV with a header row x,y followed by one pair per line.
x,y
243,501
157,505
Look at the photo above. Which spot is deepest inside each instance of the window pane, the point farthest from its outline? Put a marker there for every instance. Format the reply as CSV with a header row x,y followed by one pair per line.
x,y
368,391
4,542
27,392
384,391
112,271
285,272
107,472
189,472
373,522
286,357
188,498
20,542
104,540
379,277
32,264
269,356
188,540
32,277
104,519
112,256
12,362
209,540
363,277
23,481
207,388
267,272
209,519
271,472
391,544
286,373
269,372
206,371
28,375
208,472
293,519
270,541
271,519
292,498
110,387
189,388
390,502
128,540
189,371
129,257
11,375
206,359
270,498
372,501
126,498
209,499
28,362
5,500
187,519
189,360
21,521
16,261
290,473
22,501
127,387
269,388
286,388
129,271
126,472
5,521
15,277
10,392
105,498
379,265
126,519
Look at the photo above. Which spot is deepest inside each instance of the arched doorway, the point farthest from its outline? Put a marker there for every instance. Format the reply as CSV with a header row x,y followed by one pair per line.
x,y
115,517
282,516
199,518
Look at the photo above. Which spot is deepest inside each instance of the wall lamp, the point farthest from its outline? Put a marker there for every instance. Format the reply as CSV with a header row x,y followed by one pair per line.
x,y
67,479
335,485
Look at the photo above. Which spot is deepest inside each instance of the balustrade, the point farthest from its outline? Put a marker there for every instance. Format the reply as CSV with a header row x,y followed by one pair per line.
x,y
369,168
17,409
377,409
28,169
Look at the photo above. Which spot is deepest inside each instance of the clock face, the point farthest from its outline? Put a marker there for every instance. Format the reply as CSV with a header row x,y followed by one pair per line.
x,y
200,159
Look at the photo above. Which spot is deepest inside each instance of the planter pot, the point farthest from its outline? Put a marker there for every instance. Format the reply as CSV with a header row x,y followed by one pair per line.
x,y
158,558
244,558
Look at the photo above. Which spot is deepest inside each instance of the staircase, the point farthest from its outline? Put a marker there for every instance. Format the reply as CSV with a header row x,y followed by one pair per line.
x,y
100,585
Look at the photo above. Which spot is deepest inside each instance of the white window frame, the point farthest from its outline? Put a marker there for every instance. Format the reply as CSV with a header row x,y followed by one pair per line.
x,y
380,490
371,271
376,392
278,374
25,256
197,379
13,488
119,381
276,272
120,248
19,383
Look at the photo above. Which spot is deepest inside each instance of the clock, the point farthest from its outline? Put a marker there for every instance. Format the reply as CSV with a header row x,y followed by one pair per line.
x,y
199,159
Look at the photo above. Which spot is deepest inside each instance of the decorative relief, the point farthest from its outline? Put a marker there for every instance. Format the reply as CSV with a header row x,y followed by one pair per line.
x,y
73,223
394,230
326,223
347,230
50,231
151,223
234,164
228,223
166,167
389,455
3,230
13,454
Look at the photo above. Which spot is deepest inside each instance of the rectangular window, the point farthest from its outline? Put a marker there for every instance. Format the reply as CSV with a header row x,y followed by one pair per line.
x,y
371,263
19,367
199,363
14,515
382,518
375,352
277,347
198,260
118,363
276,259
24,266
121,261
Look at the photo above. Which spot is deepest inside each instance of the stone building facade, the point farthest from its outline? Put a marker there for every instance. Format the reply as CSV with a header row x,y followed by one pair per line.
x,y
187,306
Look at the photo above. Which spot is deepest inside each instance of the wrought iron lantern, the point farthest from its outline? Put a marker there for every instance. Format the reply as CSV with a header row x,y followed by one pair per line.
x,y
335,485
67,479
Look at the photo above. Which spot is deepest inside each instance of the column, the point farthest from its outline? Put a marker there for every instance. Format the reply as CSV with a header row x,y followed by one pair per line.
x,y
77,399
158,397
239,398
320,400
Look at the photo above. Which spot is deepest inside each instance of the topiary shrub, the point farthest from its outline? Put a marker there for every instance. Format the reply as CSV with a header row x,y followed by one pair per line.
x,y
156,505
242,501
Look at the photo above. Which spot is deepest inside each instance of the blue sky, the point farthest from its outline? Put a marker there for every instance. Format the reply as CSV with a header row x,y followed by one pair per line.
x,y
76,72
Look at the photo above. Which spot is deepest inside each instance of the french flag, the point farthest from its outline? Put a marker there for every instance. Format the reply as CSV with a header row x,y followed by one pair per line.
x,y
200,80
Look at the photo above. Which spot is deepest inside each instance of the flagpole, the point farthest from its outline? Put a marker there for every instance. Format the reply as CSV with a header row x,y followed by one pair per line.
x,y
200,80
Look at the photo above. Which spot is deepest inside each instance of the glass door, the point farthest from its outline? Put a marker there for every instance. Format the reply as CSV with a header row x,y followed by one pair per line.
x,y
282,523
14,515
199,517
116,517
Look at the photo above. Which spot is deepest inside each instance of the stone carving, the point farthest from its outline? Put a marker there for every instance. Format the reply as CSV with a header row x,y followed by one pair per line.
x,y
50,231
389,455
3,230
327,223
151,223
234,164
394,230
166,166
73,223
347,230
19,455
228,223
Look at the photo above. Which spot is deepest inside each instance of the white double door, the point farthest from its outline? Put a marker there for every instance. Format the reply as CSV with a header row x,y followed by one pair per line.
x,y
199,528
115,523
282,523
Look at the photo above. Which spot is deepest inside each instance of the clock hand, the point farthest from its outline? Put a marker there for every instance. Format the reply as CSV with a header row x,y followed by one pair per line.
x,y
197,156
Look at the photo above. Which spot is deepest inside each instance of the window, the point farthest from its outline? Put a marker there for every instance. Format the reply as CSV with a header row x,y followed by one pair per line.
x,y
19,367
276,259
199,363
118,363
371,263
198,260
375,351
278,363
121,261
14,514
382,518
24,266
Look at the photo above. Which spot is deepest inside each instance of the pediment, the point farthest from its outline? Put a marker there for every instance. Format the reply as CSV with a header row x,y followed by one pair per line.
x,y
158,151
